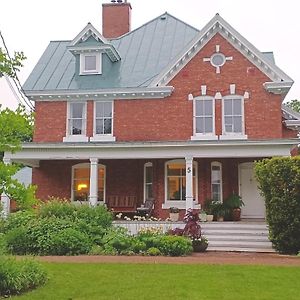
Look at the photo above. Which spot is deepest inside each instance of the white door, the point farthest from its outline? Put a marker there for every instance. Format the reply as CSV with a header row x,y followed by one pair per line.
x,y
254,203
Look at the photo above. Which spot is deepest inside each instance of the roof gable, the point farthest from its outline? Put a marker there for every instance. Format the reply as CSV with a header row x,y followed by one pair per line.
x,y
219,25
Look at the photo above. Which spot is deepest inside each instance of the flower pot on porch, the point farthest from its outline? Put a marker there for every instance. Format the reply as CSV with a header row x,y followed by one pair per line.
x,y
199,245
174,217
220,218
236,214
209,218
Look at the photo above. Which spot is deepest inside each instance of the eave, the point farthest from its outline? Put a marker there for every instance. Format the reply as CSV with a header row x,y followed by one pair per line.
x,y
278,87
101,94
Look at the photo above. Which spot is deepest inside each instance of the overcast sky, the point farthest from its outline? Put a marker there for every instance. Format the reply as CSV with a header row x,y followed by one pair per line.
x,y
271,25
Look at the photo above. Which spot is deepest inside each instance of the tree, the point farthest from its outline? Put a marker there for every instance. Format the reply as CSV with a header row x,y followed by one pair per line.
x,y
294,105
15,127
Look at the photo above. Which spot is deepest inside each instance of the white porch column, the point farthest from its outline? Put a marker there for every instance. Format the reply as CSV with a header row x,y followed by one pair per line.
x,y
189,182
93,197
5,201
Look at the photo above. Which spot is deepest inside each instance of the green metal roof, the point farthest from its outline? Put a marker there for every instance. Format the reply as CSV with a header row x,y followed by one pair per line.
x,y
144,52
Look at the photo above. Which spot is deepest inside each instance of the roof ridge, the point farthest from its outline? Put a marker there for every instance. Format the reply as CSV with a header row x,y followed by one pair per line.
x,y
154,19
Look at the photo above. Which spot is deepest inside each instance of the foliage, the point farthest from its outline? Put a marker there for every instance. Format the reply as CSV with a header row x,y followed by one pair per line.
x,y
3,246
174,210
19,276
279,182
174,245
153,251
10,65
218,208
18,219
234,201
207,207
294,105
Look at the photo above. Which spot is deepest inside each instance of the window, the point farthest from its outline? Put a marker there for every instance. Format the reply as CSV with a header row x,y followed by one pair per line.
x,y
218,59
148,181
204,118
216,181
81,182
176,180
90,63
103,121
233,116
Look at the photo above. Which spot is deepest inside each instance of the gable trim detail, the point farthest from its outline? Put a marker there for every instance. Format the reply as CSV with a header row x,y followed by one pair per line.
x,y
219,25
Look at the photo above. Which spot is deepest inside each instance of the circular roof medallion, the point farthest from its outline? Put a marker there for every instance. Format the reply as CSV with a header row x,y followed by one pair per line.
x,y
218,59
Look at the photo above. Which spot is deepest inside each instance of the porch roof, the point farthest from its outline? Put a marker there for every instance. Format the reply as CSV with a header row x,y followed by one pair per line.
x,y
32,153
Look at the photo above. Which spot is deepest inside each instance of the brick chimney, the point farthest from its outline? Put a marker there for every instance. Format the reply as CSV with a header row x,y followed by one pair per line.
x,y
116,18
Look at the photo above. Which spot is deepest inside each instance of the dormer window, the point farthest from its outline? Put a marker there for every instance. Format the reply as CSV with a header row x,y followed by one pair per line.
x,y
90,63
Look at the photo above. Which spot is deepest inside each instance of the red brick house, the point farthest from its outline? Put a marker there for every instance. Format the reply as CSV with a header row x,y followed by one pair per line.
x,y
165,111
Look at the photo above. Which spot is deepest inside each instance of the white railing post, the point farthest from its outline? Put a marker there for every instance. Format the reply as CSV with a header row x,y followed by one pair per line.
x,y
5,200
93,197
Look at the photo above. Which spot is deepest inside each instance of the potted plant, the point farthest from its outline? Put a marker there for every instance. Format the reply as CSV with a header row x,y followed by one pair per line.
x,y
174,214
218,210
200,245
234,204
208,209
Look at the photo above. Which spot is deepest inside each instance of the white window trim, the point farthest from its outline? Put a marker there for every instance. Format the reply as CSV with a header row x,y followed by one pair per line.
x,y
147,165
204,136
77,137
180,203
83,166
98,69
233,135
103,137
217,164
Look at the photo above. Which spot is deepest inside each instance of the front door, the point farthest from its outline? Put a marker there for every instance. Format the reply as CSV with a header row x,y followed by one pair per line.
x,y
254,203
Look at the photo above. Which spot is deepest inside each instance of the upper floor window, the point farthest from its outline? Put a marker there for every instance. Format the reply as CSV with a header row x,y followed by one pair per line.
x,y
204,118
233,117
103,121
90,63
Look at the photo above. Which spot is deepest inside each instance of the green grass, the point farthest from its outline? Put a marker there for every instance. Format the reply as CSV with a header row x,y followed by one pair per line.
x,y
157,281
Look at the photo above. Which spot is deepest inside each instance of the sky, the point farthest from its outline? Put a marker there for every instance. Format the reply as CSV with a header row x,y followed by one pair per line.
x,y
270,25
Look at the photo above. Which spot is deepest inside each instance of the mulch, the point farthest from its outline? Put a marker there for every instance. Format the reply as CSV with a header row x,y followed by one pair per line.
x,y
217,258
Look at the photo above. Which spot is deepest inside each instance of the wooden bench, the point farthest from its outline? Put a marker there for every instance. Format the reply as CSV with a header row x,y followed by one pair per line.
x,y
122,203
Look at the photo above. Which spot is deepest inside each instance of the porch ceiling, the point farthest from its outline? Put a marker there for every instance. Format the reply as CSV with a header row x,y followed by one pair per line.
x,y
32,153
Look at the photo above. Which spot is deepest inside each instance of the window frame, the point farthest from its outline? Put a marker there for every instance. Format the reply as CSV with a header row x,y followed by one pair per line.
x,y
88,166
76,137
97,70
107,136
233,135
179,203
209,135
147,165
217,164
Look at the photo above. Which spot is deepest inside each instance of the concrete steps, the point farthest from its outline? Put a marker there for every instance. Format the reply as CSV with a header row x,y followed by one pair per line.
x,y
237,236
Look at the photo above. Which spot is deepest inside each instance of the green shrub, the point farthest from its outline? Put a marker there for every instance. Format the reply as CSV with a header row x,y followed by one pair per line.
x,y
70,242
55,207
174,245
18,241
279,181
3,245
153,251
19,276
18,219
138,246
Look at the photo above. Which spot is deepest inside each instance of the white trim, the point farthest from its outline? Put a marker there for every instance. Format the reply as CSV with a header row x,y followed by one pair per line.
x,y
180,205
208,135
169,203
76,137
233,135
103,137
87,165
217,164
219,25
147,165
97,70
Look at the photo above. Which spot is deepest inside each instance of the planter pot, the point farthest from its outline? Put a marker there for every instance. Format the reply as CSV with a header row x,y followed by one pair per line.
x,y
199,246
236,214
220,219
203,217
209,218
174,217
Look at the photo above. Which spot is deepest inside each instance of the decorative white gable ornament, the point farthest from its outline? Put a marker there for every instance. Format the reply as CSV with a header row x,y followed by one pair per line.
x,y
218,59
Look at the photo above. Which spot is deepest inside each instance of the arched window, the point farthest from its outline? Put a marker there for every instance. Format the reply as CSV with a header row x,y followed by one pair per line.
x,y
81,182
175,180
216,181
148,181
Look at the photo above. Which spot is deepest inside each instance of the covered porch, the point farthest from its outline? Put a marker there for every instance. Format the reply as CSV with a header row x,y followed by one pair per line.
x,y
124,175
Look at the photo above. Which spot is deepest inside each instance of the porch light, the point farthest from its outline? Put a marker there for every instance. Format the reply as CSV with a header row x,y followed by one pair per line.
x,y
81,186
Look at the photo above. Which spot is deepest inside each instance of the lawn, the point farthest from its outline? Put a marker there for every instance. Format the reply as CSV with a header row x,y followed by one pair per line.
x,y
161,281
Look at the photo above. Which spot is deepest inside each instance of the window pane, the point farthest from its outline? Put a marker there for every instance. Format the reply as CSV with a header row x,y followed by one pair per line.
x,y
76,127
173,188
208,124
216,192
107,109
208,109
76,110
149,174
237,107
228,107
215,175
90,62
176,169
80,173
200,125
149,191
99,126
237,124
199,108
99,110
107,126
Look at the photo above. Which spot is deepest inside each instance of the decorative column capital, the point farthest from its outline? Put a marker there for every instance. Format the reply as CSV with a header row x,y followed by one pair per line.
x,y
94,160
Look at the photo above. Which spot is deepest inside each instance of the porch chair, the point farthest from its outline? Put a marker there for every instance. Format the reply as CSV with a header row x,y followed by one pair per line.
x,y
146,208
